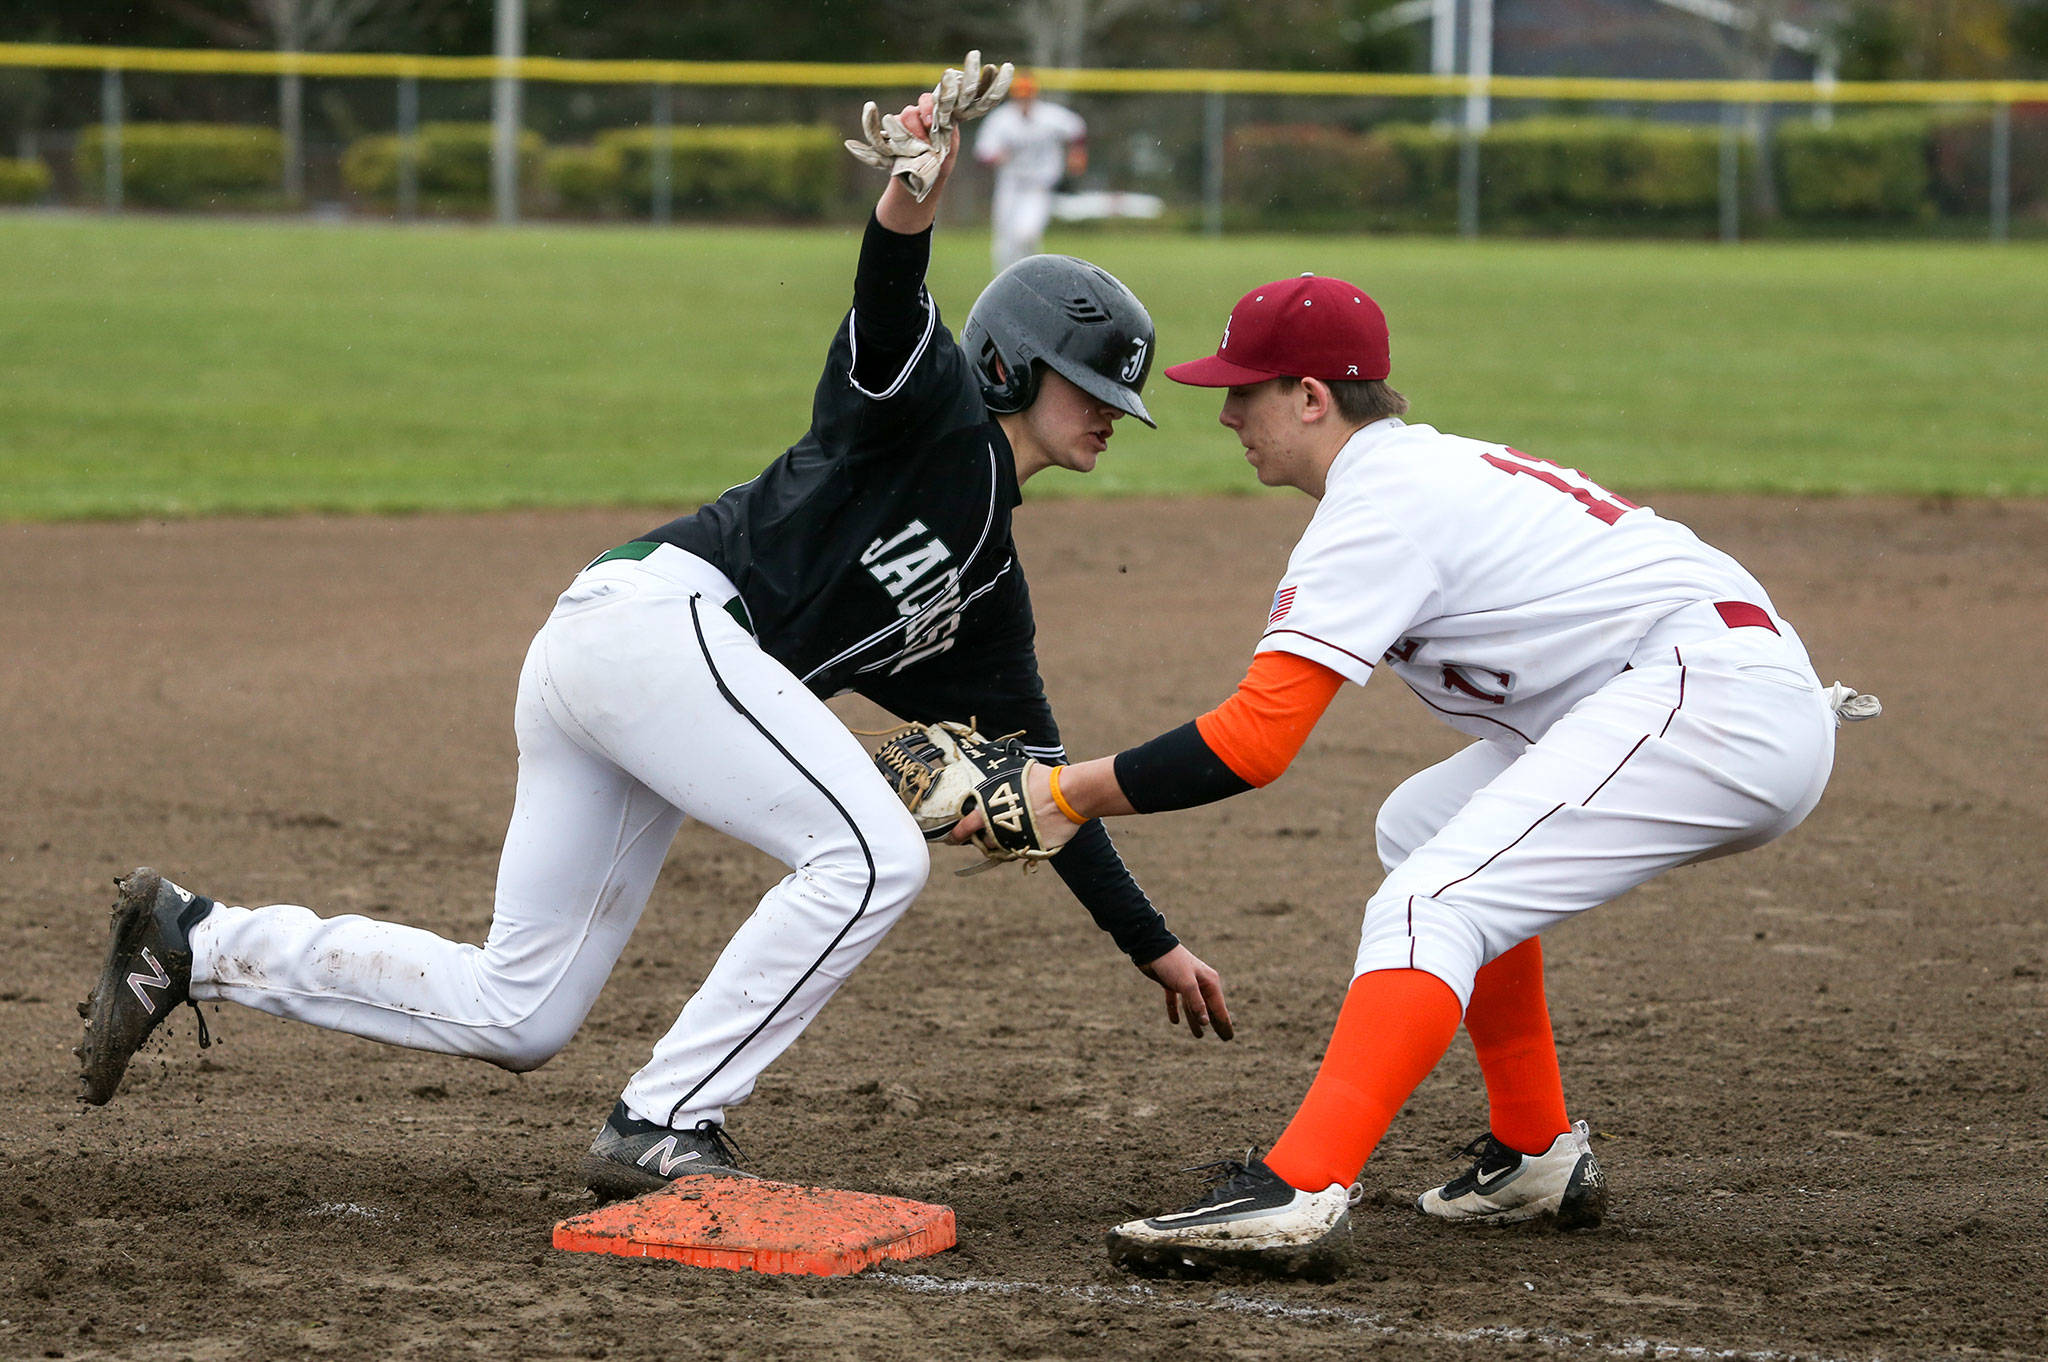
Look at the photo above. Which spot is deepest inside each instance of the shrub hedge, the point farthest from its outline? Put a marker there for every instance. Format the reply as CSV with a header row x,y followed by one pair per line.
x,y
23,181
1540,169
454,166
1310,174
1430,156
1555,171
1961,161
1543,167
776,170
189,165
1865,166
586,179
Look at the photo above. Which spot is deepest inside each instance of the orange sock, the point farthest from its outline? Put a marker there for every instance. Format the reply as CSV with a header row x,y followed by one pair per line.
x,y
1510,1028
1394,1027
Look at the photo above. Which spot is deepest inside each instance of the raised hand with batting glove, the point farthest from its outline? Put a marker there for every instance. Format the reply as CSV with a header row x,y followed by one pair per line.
x,y
916,145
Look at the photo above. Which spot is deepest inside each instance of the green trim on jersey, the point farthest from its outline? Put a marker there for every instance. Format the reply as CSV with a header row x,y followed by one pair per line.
x,y
636,550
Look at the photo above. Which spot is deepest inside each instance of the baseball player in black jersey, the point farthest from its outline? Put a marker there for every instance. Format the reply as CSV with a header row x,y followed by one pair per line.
x,y
683,675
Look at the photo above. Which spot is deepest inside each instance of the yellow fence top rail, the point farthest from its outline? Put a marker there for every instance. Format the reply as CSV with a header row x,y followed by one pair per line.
x,y
873,76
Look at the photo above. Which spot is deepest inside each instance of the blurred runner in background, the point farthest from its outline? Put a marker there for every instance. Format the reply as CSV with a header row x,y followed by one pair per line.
x,y
1032,145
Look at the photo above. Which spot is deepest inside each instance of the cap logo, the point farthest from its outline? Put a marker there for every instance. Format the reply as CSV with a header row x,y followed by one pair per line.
x,y
1224,344
1135,365
1351,370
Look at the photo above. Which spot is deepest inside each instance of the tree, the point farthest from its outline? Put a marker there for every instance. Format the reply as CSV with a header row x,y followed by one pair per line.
x,y
1379,35
2030,34
1063,32
1874,42
1759,55
1937,39
1040,32
1749,47
1315,35
302,26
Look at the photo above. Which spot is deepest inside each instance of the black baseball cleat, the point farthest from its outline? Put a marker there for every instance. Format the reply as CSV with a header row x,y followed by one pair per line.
x,y
631,1156
1564,1183
1250,1220
147,974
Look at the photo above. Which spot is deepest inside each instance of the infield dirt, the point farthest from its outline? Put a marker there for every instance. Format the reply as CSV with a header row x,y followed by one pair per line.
x,y
1816,1070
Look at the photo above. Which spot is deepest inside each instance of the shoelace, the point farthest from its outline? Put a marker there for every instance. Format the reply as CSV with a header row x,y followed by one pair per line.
x,y
1226,1175
1231,1175
714,1133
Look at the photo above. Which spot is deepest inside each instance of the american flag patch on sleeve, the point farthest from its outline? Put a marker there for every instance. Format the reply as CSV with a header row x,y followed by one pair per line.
x,y
1283,601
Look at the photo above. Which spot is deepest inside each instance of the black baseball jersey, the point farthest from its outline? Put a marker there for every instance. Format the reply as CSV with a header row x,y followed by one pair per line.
x,y
875,555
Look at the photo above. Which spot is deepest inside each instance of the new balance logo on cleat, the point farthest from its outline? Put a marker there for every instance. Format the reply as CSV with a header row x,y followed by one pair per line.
x,y
631,1156
159,978
664,1159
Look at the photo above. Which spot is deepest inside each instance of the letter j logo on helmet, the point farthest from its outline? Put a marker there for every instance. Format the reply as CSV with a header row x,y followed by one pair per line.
x,y
1135,365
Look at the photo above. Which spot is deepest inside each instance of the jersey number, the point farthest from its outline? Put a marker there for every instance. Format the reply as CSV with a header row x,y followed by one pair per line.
x,y
1600,503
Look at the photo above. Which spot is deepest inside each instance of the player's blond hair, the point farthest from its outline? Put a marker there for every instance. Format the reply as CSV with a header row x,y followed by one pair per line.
x,y
1366,399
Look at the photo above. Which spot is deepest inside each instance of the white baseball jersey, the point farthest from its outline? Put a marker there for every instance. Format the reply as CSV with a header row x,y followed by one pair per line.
x,y
1501,587
1031,146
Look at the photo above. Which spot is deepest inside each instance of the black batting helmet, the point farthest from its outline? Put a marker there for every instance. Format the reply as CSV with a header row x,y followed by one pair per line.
x,y
1066,313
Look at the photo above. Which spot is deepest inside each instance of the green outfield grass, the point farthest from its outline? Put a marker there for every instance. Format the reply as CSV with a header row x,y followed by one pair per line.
x,y
188,366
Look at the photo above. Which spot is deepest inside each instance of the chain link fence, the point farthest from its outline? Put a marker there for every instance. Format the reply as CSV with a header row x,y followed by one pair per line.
x,y
404,137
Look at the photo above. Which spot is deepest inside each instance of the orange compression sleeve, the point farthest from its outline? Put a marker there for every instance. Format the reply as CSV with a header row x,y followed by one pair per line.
x,y
1258,730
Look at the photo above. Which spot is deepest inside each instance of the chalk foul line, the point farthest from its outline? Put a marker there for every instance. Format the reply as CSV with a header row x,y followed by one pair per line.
x,y
1229,1301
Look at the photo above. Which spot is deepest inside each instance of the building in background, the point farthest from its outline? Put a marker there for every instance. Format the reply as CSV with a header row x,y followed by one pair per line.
x,y
1664,39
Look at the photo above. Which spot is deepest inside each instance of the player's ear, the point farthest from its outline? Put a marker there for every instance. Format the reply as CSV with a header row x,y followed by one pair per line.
x,y
1314,399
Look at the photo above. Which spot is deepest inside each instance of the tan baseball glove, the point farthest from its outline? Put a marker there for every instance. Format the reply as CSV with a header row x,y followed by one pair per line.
x,y
943,771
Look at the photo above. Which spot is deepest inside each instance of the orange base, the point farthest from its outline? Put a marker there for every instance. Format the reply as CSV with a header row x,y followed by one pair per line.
x,y
747,1225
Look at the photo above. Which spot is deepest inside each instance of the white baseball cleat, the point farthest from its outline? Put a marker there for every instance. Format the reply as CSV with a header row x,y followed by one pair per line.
x,y
1564,1182
1249,1219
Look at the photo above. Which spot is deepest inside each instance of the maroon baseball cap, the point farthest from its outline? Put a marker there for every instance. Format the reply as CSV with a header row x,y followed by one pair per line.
x,y
1310,327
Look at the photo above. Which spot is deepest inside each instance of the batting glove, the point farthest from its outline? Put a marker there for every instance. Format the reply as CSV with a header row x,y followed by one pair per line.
x,y
959,97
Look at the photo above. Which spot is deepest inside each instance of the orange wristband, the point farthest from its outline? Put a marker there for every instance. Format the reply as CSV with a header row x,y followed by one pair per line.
x,y
1061,800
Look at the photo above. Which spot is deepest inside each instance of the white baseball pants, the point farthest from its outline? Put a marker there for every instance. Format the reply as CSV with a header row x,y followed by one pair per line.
x,y
1017,218
642,702
1715,740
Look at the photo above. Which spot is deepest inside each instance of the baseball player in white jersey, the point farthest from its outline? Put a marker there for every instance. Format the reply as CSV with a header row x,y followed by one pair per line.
x,y
1032,145
683,675
1638,704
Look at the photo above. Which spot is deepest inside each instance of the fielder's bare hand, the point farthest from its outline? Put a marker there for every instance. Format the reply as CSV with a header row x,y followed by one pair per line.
x,y
1191,987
